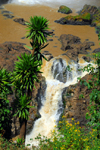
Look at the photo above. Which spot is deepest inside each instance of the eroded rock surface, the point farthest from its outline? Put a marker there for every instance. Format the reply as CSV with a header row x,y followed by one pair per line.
x,y
73,46
20,20
9,52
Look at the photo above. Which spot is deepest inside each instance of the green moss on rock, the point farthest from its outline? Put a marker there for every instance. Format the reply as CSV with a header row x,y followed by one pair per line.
x,y
86,16
64,9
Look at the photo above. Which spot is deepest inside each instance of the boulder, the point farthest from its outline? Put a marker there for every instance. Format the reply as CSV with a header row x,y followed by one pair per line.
x,y
96,50
20,20
84,19
7,14
64,9
67,40
9,52
73,46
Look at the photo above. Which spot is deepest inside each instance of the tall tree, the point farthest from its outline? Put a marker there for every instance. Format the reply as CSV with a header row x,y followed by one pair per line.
x,y
23,79
37,33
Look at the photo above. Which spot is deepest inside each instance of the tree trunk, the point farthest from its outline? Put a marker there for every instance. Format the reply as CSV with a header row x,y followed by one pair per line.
x,y
33,51
23,124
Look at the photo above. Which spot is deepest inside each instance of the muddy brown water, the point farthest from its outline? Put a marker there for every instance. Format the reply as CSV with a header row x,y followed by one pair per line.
x,y
12,31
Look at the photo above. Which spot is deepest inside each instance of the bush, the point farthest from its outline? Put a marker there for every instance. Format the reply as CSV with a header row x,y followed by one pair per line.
x,y
70,137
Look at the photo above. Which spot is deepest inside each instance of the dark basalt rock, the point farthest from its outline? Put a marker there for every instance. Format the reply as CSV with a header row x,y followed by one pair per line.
x,y
6,12
67,40
20,20
64,9
73,46
23,37
96,50
9,52
49,40
87,59
8,16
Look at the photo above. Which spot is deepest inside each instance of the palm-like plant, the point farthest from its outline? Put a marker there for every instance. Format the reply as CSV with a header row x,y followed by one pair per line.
x,y
24,77
37,32
22,107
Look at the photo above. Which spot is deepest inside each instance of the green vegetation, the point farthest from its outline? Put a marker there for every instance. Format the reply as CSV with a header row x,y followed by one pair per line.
x,y
37,33
69,137
5,110
94,84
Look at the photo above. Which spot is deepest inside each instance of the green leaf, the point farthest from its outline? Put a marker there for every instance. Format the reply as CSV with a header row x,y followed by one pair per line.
x,y
31,48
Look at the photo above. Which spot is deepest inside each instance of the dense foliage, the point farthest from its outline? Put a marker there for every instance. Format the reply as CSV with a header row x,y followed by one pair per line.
x,y
5,89
94,85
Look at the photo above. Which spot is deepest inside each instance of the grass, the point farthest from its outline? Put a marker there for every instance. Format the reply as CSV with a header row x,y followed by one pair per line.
x,y
68,137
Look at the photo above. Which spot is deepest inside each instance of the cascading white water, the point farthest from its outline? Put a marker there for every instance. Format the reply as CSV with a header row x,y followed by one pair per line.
x,y
52,106
76,4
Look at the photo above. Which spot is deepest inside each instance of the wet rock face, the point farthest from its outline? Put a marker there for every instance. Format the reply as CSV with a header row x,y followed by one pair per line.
x,y
75,107
64,9
73,46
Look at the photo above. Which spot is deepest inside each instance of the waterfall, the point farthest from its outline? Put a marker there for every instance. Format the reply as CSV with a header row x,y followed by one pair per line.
x,y
57,77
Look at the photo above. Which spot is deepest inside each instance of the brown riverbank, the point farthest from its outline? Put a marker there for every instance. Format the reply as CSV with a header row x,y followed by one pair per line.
x,y
12,31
